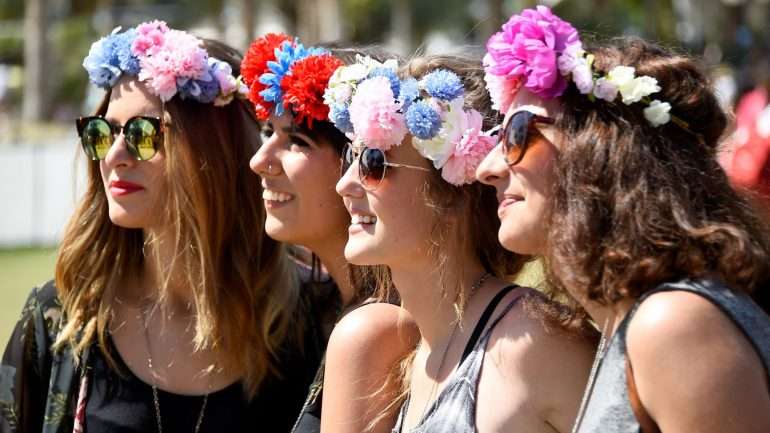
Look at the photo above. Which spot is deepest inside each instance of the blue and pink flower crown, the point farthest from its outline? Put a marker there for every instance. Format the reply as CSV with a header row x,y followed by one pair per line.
x,y
540,52
171,62
375,108
282,74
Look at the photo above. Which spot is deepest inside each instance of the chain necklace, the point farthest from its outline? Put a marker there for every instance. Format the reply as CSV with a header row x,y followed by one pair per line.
x,y
601,352
155,399
471,292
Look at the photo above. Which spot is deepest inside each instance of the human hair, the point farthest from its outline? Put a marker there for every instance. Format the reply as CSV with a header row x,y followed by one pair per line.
x,y
244,290
636,205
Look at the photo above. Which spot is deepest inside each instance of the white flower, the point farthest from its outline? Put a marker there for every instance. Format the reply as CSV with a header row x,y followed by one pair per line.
x,y
570,59
621,75
658,113
583,77
638,88
440,148
339,94
605,89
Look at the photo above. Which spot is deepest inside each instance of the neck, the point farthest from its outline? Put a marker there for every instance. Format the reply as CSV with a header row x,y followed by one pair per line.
x,y
608,317
332,256
158,254
430,304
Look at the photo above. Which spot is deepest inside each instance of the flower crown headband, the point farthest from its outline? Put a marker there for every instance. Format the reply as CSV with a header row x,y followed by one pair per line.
x,y
539,51
282,74
171,62
369,103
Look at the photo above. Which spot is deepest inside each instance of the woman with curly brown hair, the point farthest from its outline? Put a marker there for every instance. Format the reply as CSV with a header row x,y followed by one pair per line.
x,y
607,166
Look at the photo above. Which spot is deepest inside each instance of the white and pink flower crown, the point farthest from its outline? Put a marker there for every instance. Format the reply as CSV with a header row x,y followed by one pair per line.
x,y
373,107
539,51
171,62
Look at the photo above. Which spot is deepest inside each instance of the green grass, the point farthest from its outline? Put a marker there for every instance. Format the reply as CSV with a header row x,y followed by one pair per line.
x,y
20,270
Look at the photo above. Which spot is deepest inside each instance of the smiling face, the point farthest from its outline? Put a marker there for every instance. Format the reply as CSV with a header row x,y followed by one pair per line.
x,y
523,190
298,176
134,188
391,224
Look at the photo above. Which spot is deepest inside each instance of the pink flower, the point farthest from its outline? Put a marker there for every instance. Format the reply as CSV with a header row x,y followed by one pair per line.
x,y
528,48
149,37
468,153
374,114
180,56
501,89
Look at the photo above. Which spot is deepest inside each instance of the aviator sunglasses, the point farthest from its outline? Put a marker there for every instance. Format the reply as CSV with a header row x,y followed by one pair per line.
x,y
515,137
143,135
372,165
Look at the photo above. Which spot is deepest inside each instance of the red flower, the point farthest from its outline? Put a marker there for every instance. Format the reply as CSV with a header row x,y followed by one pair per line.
x,y
254,64
304,87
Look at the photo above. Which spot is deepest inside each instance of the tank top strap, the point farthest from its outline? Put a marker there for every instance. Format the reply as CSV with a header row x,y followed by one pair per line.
x,y
485,316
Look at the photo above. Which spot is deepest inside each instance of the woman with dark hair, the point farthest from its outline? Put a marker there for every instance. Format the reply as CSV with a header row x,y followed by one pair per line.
x,y
169,311
607,166
299,164
484,362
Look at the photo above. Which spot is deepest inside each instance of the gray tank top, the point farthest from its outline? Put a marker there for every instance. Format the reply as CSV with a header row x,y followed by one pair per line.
x,y
454,410
608,408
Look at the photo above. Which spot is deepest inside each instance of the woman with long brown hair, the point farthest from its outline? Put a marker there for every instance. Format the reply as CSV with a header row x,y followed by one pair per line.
x,y
169,312
483,362
609,155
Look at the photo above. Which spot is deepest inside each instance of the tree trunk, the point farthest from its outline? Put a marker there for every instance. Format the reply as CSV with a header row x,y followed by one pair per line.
x,y
248,11
401,27
35,54
331,26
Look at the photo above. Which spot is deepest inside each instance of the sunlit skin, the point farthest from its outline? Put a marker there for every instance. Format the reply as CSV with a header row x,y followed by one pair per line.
x,y
521,367
725,391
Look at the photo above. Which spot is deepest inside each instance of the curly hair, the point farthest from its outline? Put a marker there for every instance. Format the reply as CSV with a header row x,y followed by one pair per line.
x,y
634,205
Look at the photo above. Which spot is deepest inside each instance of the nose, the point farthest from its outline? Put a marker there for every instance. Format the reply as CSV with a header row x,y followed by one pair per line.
x,y
118,155
266,161
349,184
493,167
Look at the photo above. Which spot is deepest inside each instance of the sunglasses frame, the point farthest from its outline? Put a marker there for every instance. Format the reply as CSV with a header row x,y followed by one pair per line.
x,y
505,135
358,152
116,129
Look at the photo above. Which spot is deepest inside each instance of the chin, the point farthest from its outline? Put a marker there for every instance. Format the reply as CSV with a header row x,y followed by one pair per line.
x,y
360,255
127,220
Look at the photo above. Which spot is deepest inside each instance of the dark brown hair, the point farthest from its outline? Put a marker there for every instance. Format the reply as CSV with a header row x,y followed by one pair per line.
x,y
244,292
636,205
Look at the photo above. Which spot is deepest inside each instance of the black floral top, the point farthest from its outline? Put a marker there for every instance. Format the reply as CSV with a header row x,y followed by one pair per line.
x,y
39,388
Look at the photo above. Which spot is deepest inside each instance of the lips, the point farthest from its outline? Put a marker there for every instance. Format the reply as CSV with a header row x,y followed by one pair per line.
x,y
508,200
124,187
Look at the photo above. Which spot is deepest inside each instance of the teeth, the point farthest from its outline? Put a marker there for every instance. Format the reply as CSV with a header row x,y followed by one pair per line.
x,y
276,196
363,219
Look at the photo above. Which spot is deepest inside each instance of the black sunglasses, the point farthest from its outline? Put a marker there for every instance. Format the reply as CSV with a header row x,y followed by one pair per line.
x,y
372,165
143,135
515,137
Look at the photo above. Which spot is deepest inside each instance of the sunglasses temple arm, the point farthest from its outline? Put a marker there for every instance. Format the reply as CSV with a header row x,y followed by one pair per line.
x,y
393,164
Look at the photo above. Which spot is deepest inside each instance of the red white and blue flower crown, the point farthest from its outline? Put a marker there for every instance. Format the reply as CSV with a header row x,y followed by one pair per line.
x,y
375,108
171,62
284,75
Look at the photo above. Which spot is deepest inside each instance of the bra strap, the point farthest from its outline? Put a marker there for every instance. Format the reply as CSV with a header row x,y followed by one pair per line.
x,y
482,323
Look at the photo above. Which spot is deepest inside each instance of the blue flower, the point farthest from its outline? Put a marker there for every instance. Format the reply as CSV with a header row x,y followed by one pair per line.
x,y
127,62
422,120
443,84
203,91
340,116
390,74
409,92
285,56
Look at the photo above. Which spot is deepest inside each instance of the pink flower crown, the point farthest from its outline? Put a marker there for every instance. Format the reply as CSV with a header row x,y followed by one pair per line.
x,y
171,62
540,52
375,108
282,74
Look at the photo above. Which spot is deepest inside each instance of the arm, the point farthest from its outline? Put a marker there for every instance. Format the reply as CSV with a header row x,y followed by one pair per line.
x,y
363,351
694,369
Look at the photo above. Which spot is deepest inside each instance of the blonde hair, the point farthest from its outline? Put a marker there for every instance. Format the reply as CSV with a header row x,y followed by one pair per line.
x,y
245,292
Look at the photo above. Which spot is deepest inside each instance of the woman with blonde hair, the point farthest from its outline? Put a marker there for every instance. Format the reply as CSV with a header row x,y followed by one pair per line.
x,y
169,311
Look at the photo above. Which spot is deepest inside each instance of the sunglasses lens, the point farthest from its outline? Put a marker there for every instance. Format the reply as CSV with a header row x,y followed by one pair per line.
x,y
515,142
372,168
96,138
142,137
347,159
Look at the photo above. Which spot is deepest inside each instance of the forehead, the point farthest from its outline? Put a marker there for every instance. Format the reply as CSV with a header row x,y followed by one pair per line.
x,y
528,101
131,97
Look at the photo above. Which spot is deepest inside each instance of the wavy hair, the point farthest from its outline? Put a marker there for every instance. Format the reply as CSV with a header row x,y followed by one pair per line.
x,y
635,206
244,290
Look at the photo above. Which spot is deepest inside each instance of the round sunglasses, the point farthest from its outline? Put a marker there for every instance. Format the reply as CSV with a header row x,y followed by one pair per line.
x,y
143,135
372,165
515,137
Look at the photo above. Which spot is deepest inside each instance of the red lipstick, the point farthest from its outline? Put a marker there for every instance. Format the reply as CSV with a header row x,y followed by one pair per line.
x,y
122,187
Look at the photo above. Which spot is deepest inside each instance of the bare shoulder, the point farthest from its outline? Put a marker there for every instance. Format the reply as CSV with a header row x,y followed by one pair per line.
x,y
374,330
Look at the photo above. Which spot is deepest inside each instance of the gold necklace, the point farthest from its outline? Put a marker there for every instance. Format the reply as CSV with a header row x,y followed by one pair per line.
x,y
154,386
434,388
